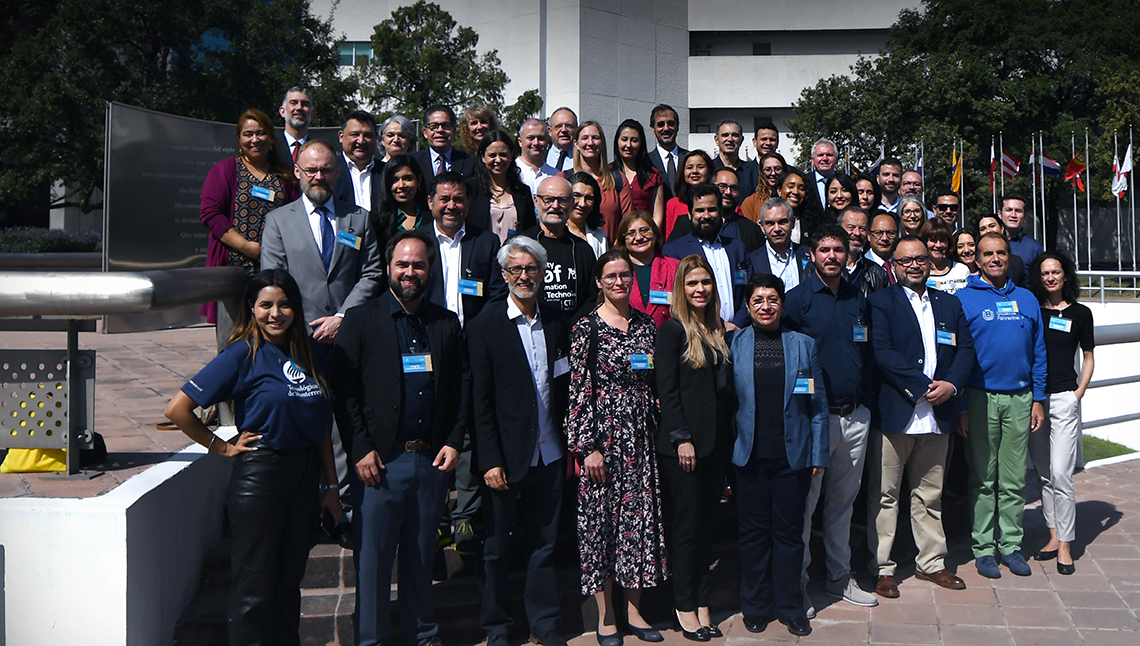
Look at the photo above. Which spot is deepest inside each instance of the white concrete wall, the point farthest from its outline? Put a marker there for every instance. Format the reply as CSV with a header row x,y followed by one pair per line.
x,y
1114,361
779,15
117,569
735,81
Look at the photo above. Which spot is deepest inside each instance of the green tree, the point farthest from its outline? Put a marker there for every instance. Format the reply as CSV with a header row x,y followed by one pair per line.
x,y
968,69
421,56
62,60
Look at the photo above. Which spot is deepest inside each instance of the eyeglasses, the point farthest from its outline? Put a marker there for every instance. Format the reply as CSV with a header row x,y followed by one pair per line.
x,y
772,170
610,279
439,125
643,232
912,260
889,233
661,124
731,188
312,172
946,207
517,270
551,200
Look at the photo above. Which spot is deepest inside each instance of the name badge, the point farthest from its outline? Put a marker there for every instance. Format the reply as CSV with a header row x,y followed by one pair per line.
x,y
262,193
739,277
944,337
348,239
657,297
1007,307
416,363
860,334
561,367
641,361
469,287
1061,325
804,386
931,283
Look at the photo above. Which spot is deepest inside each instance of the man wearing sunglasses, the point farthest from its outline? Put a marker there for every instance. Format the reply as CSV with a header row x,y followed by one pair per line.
x,y
667,156
948,208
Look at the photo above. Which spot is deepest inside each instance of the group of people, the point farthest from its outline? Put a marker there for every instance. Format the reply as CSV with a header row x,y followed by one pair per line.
x,y
534,318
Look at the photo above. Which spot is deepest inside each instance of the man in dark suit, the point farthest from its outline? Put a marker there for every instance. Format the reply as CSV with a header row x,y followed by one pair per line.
x,y
789,261
735,224
440,156
824,155
400,375
729,139
520,381
864,274
297,111
327,245
767,139
361,179
464,278
725,253
924,354
667,156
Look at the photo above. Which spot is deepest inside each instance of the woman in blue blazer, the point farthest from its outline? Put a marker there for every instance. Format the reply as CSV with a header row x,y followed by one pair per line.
x,y
781,444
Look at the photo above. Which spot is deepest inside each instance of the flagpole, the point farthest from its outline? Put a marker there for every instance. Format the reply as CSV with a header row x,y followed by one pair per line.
x,y
962,186
922,163
1119,231
1001,163
993,166
1088,203
1076,240
1033,175
1041,167
1132,201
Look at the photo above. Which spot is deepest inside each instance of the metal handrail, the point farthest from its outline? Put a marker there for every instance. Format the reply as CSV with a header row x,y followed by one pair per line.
x,y
93,293
1096,283
60,260
1112,335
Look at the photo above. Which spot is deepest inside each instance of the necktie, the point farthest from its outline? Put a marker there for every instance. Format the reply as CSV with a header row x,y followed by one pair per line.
x,y
328,238
561,159
439,165
296,148
670,171
890,272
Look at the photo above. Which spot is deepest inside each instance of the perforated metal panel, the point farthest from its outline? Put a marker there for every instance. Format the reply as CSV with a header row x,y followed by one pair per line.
x,y
35,406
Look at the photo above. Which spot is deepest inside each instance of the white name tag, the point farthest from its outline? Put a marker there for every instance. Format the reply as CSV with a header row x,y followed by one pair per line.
x,y
1061,325
416,363
561,367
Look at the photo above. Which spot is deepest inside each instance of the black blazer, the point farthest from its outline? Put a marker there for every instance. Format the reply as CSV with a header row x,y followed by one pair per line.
x,y
801,252
748,174
503,396
899,355
461,162
870,277
479,212
344,190
688,395
659,164
477,252
737,258
366,376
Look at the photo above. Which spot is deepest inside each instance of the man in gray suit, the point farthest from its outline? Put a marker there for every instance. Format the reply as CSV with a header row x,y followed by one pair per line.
x,y
326,245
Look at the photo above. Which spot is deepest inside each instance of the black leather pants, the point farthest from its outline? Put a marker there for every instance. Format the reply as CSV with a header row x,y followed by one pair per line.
x,y
273,505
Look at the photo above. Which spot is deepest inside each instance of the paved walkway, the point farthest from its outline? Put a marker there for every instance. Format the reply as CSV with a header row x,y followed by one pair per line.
x,y
138,373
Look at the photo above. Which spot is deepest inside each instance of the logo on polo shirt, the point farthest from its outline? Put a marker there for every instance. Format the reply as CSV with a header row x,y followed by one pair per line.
x,y
294,374
988,314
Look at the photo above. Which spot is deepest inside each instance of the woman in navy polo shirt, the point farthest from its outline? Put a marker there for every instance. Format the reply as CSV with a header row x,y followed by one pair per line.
x,y
271,371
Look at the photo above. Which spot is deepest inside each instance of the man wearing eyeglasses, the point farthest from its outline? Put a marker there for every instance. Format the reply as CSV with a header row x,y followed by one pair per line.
x,y
947,208
569,282
924,354
344,268
865,274
881,239
520,372
729,139
667,156
439,130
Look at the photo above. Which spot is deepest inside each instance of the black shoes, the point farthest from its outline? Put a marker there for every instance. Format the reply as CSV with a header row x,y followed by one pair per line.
x,y
755,624
700,635
549,638
651,635
800,626
1066,568
497,640
609,640
714,631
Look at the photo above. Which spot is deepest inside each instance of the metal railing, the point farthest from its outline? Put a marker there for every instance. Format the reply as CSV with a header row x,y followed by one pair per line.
x,y
1102,284
1113,335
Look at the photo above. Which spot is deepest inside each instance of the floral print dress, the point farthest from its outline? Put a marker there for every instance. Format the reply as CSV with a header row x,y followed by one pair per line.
x,y
613,410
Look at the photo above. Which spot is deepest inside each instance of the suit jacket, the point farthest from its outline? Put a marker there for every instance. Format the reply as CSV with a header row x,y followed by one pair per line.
x,y
813,202
283,150
366,376
805,416
737,257
477,251
461,162
688,395
345,192
899,355
353,276
760,264
503,395
869,276
479,212
659,164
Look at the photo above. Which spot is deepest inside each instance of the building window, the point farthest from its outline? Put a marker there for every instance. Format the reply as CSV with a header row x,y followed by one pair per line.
x,y
355,53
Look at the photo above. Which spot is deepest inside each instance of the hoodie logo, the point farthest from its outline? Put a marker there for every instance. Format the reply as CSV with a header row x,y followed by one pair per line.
x,y
988,314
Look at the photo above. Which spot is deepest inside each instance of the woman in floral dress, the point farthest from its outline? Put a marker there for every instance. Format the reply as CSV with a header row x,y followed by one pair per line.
x,y
612,430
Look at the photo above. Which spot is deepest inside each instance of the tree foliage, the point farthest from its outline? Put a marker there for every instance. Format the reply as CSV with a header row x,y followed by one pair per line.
x,y
968,69
421,56
63,60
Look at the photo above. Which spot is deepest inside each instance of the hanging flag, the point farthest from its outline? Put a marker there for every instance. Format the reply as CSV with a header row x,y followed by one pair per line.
x,y
1050,167
874,169
1120,173
918,164
1009,164
993,165
956,176
1073,170
1126,167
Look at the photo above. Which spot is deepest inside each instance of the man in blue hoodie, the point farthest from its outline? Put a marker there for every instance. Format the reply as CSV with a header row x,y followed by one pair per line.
x,y
1004,402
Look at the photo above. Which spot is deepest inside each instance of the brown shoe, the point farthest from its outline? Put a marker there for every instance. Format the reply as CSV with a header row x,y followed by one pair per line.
x,y
885,586
942,578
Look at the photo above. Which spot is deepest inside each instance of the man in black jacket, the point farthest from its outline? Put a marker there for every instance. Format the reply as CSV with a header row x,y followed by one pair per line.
x,y
868,276
520,383
400,378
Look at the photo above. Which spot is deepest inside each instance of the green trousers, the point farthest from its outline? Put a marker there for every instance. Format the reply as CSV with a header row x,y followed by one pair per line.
x,y
996,448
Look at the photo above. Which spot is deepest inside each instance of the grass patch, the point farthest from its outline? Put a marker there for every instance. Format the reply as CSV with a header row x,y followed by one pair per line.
x,y
1098,449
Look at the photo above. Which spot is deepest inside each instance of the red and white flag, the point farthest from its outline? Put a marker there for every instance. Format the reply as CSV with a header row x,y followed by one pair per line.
x,y
1009,164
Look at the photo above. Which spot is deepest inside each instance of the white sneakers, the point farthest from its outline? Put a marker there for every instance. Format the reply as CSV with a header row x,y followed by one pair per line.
x,y
849,591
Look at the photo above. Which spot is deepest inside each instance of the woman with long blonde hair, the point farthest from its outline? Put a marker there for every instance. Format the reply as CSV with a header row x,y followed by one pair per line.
x,y
698,401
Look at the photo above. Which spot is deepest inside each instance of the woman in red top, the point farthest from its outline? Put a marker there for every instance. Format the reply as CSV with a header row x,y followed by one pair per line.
x,y
653,273
696,168
636,173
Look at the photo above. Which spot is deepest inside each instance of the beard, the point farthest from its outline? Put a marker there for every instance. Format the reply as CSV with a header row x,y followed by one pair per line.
x,y
407,293
318,192
708,229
